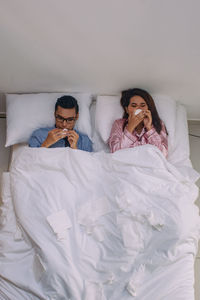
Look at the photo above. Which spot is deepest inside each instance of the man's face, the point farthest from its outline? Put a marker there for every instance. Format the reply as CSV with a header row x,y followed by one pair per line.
x,y
65,118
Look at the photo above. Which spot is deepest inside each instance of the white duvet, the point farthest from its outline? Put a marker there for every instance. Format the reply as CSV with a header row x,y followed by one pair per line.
x,y
96,226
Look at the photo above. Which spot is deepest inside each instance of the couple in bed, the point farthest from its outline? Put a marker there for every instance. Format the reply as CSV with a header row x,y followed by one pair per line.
x,y
140,125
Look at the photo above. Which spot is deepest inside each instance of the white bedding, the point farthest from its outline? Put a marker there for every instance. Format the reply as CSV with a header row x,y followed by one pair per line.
x,y
98,226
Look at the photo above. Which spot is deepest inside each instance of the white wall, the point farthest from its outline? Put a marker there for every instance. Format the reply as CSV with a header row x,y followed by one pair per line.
x,y
102,46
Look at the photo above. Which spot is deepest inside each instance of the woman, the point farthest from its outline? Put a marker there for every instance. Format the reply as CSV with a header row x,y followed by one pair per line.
x,y
140,125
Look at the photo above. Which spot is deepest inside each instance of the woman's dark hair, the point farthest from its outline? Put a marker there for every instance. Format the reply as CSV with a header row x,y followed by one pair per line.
x,y
125,100
67,102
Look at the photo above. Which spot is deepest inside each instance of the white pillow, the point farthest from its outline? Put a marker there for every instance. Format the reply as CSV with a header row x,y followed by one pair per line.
x,y
27,112
108,109
181,148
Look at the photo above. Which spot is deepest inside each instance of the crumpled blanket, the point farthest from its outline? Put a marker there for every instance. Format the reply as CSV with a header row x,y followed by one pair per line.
x,y
97,226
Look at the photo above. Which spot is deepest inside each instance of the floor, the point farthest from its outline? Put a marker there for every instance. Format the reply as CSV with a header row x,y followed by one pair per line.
x,y
194,129
4,152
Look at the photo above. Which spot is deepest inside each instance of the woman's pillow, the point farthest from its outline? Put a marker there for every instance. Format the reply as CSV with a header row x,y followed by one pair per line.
x,y
108,109
180,154
27,112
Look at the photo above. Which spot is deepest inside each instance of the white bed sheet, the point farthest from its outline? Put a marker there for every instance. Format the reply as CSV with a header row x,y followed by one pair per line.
x,y
176,281
33,245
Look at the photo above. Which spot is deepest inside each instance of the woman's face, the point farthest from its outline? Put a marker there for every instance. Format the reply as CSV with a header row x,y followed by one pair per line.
x,y
136,102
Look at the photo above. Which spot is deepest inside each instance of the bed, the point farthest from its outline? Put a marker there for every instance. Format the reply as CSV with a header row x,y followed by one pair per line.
x,y
78,225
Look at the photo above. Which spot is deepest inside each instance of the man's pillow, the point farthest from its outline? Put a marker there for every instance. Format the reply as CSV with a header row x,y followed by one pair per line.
x,y
108,109
27,112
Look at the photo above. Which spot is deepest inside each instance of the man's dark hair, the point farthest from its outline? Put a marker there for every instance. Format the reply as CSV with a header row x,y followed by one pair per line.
x,y
67,102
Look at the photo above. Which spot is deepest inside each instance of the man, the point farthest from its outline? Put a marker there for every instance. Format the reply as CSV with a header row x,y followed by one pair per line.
x,y
63,133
